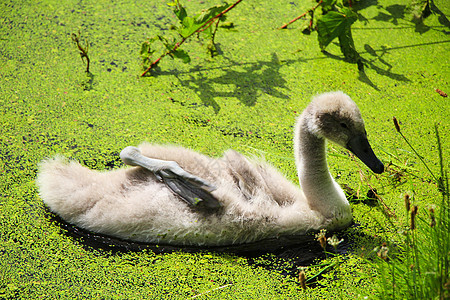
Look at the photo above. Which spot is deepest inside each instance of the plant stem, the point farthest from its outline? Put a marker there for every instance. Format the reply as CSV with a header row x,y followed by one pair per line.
x,y
215,289
203,27
83,52
420,157
322,271
386,209
301,16
441,160
177,45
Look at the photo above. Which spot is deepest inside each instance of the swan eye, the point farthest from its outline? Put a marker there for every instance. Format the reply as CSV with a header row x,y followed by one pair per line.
x,y
343,125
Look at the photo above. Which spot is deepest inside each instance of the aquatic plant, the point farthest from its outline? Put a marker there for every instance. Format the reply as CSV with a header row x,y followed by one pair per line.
x,y
328,267
83,50
415,264
332,19
206,22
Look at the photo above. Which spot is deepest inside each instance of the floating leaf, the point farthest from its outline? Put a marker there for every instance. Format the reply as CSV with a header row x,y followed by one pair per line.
x,y
334,24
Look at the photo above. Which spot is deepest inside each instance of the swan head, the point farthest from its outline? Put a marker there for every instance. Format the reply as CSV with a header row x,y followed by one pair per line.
x,y
336,117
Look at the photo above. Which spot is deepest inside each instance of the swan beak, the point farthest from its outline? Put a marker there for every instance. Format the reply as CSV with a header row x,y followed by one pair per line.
x,y
359,145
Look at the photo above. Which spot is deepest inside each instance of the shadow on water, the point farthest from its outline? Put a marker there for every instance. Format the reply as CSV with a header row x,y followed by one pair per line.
x,y
247,81
284,254
376,58
443,20
393,14
397,12
244,81
88,83
371,64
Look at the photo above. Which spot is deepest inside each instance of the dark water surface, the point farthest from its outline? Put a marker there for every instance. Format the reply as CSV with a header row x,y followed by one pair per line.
x,y
284,254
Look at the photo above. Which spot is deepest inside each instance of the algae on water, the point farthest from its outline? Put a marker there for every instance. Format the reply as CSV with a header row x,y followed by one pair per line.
x,y
247,98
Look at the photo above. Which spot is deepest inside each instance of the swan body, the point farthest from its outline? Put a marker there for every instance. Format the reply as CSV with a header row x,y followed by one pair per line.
x,y
251,200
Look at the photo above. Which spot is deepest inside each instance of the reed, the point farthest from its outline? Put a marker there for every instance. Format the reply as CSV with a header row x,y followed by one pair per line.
x,y
417,267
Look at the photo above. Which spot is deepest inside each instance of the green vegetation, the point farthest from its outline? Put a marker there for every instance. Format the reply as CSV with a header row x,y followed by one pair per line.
x,y
417,267
83,50
205,22
332,19
247,98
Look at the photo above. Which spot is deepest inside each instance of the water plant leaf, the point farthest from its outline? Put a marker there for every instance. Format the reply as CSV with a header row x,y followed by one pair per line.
x,y
191,24
328,5
181,54
348,45
180,12
207,14
201,23
334,24
146,50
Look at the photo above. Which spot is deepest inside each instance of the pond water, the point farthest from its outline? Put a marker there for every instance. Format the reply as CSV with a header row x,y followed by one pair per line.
x,y
246,98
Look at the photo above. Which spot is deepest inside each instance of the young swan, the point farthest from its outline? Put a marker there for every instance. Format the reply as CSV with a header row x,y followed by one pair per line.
x,y
205,201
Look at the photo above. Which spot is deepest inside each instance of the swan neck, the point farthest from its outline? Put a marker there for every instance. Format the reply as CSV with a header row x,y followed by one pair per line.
x,y
321,191
311,156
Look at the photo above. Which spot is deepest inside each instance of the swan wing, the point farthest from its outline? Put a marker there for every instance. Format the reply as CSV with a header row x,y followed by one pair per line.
x,y
193,194
192,189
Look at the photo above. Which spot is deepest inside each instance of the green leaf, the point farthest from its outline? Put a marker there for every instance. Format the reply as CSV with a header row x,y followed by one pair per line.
x,y
328,5
181,54
169,45
189,27
348,46
180,12
208,32
144,48
191,24
334,24
207,14
188,22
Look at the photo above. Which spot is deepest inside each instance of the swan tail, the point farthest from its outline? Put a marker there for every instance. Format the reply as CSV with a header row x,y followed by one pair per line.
x,y
67,188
